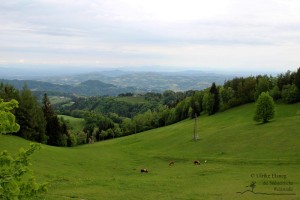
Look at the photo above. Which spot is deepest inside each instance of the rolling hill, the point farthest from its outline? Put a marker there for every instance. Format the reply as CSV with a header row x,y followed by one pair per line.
x,y
149,81
86,88
130,81
238,152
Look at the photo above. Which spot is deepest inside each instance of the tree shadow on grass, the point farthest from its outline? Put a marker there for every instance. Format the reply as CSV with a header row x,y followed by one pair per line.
x,y
264,123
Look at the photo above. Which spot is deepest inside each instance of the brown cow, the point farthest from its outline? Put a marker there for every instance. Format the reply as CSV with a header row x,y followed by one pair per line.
x,y
144,171
197,162
171,163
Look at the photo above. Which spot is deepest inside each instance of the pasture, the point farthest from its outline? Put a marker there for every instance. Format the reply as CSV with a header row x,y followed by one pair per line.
x,y
238,152
59,99
132,99
77,124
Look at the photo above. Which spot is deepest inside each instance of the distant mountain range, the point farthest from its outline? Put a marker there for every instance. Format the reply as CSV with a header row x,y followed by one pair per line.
x,y
114,82
86,88
147,81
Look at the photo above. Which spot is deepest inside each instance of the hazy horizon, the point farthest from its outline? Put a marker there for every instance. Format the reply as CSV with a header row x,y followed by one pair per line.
x,y
61,70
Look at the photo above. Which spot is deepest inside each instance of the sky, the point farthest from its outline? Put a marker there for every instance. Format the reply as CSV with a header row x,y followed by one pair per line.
x,y
240,35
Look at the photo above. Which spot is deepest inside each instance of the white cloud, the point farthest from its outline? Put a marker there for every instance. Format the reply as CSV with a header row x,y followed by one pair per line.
x,y
193,33
21,61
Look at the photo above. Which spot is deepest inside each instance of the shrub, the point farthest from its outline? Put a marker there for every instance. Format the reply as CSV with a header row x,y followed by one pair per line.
x,y
16,179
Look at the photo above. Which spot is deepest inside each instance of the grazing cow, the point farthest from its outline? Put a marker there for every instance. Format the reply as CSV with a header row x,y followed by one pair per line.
x,y
197,162
171,163
144,171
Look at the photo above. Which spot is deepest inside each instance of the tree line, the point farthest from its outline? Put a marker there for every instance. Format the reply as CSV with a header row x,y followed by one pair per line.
x,y
238,91
38,121
107,118
17,180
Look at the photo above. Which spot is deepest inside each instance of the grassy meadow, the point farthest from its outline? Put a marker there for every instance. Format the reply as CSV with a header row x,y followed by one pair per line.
x,y
132,99
77,124
238,152
58,99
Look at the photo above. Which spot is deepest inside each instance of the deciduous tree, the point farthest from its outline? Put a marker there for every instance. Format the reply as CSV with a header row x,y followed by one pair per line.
x,y
16,179
290,94
265,108
263,85
7,119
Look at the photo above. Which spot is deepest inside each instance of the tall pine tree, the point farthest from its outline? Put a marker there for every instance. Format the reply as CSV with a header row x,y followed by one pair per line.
x,y
56,131
30,117
52,127
47,108
216,99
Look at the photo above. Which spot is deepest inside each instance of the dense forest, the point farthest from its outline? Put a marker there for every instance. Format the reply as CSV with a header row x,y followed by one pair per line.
x,y
110,117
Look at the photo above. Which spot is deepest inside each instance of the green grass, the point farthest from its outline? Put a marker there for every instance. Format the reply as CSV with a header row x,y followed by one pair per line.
x,y
77,124
58,99
132,99
236,149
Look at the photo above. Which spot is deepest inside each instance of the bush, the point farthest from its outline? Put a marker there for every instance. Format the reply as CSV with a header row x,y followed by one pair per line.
x,y
72,140
81,137
16,179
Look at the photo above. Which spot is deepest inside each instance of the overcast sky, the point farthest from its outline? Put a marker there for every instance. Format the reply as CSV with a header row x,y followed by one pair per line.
x,y
195,34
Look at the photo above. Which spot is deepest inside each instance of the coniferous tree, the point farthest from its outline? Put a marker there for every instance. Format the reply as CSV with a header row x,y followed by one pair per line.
x,y
30,117
53,131
47,108
56,131
216,99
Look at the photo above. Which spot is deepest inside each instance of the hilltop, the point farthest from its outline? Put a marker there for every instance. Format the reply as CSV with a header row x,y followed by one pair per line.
x,y
238,151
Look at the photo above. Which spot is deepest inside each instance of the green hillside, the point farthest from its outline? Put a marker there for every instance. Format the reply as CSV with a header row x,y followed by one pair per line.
x,y
238,151
132,99
77,124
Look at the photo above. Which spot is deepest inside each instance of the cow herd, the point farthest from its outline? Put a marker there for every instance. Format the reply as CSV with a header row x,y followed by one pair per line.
x,y
171,163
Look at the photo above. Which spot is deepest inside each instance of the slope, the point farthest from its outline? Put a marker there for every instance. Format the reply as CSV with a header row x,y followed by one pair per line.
x,y
238,151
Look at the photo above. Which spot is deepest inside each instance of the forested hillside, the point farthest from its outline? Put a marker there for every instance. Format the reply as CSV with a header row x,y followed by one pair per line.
x,y
110,117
